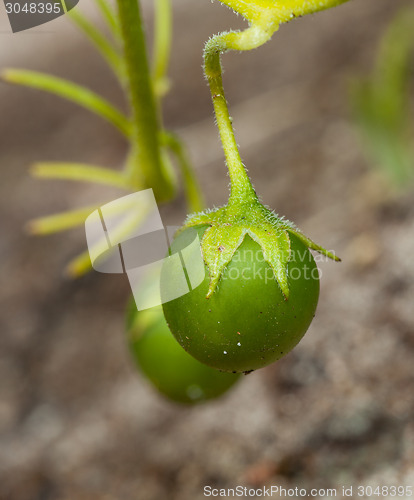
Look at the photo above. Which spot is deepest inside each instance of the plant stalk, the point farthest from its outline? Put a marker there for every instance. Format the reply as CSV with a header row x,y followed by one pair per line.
x,y
241,187
145,155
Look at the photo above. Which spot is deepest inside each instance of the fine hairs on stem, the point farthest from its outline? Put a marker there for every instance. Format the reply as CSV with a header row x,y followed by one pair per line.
x,y
264,17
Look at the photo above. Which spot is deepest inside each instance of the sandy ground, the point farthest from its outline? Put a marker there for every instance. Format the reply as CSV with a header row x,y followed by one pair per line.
x,y
76,420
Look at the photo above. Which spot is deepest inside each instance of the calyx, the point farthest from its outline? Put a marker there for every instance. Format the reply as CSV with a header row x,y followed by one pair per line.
x,y
230,224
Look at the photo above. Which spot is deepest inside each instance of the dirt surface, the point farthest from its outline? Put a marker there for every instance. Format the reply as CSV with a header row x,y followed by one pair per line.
x,y
76,420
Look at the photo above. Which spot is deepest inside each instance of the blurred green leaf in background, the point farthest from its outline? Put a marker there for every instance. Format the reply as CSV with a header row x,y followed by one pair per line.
x,y
382,103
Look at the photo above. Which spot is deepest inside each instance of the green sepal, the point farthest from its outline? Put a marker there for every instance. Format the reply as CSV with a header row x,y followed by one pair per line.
x,y
275,245
314,246
204,218
230,224
218,246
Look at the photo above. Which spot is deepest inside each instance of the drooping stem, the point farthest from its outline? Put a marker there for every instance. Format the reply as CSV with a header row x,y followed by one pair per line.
x,y
145,151
241,187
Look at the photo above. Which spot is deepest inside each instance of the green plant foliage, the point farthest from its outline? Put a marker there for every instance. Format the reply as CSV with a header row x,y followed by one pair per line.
x,y
80,172
231,324
382,103
72,92
111,54
270,318
151,148
279,11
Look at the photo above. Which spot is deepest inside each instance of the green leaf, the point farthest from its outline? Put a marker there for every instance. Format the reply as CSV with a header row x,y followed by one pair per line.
x,y
128,224
72,92
81,172
79,266
162,46
60,222
381,102
279,11
110,17
108,52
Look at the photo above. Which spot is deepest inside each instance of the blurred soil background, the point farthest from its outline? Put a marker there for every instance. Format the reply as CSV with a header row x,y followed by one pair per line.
x,y
76,420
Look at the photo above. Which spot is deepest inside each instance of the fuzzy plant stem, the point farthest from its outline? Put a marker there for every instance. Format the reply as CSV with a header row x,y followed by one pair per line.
x,y
241,187
145,151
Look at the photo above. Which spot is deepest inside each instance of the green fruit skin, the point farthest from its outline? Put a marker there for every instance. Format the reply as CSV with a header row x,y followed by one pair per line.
x,y
172,371
247,323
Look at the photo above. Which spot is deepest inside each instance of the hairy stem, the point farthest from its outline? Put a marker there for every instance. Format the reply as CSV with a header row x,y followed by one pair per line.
x,y
241,187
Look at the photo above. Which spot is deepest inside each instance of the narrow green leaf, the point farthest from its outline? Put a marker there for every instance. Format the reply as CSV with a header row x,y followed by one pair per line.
x,y
108,52
82,263
80,172
60,222
297,8
110,17
380,103
72,92
281,11
79,266
162,46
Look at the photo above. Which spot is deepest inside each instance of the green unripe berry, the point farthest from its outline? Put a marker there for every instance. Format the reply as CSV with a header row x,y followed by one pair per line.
x,y
173,372
247,323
